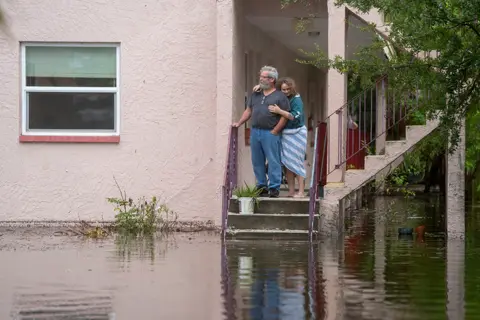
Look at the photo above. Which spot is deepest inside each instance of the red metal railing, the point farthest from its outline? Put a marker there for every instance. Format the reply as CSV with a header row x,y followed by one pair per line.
x,y
230,178
376,112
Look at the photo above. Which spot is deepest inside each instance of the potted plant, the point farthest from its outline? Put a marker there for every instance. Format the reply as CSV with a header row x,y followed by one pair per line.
x,y
247,198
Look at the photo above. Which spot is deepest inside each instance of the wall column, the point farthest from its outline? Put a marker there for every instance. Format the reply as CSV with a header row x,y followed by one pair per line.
x,y
455,189
455,275
336,93
225,103
381,112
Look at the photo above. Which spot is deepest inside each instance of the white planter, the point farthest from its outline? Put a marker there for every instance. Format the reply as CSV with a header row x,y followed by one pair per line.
x,y
246,205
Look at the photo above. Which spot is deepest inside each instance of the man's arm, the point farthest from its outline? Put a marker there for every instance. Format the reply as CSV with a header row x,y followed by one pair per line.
x,y
280,125
284,104
245,117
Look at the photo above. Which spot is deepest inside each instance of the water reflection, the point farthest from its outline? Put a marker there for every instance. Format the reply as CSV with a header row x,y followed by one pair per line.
x,y
62,303
267,281
123,278
370,273
147,248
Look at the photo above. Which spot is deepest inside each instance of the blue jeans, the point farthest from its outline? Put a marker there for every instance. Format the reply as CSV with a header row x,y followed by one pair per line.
x,y
265,298
266,146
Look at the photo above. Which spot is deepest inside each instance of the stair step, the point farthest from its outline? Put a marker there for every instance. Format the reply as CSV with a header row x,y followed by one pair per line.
x,y
276,205
372,162
416,132
270,221
253,234
378,166
394,147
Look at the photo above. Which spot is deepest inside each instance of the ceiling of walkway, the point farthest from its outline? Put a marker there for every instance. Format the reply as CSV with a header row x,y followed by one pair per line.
x,y
278,23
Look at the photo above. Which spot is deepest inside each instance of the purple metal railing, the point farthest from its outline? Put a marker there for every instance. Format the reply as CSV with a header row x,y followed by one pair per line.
x,y
230,178
312,206
228,289
376,112
312,279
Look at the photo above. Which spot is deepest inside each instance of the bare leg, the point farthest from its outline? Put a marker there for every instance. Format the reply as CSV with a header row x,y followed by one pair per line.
x,y
301,187
291,182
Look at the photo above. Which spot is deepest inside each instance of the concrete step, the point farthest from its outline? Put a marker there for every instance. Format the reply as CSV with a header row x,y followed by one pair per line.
x,y
270,221
380,166
276,205
374,161
417,131
254,234
394,147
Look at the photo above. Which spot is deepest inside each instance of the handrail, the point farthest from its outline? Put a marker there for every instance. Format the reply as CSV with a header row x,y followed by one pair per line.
x,y
393,109
312,205
230,175
339,113
358,95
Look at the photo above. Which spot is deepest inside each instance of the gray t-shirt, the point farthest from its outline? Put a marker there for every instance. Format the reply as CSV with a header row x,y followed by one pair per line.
x,y
262,118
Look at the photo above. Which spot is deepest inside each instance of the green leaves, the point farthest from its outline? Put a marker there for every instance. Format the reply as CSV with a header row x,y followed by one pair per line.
x,y
143,216
435,44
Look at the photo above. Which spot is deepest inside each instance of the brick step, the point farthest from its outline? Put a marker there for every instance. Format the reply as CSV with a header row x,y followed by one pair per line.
x,y
254,234
276,206
258,221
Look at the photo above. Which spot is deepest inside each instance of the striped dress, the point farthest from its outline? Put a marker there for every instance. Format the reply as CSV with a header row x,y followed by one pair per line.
x,y
294,139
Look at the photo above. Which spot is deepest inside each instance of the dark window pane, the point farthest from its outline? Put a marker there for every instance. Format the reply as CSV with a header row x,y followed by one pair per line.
x,y
71,111
70,82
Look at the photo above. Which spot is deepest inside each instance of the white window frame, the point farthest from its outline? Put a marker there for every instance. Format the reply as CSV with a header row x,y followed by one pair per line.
x,y
74,133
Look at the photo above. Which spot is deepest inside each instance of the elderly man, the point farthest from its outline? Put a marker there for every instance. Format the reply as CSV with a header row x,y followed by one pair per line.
x,y
266,129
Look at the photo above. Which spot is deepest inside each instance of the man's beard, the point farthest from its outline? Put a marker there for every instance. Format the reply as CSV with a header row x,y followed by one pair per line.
x,y
265,86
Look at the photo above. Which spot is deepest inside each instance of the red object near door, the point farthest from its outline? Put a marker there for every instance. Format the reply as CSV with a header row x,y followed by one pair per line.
x,y
357,147
322,149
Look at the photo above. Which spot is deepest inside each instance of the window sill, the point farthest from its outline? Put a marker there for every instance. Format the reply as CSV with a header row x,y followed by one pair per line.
x,y
70,139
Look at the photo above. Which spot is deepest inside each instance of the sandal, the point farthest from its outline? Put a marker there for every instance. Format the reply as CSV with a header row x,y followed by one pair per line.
x,y
298,195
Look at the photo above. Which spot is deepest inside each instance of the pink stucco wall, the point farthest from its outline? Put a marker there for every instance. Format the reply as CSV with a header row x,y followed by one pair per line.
x,y
168,111
182,84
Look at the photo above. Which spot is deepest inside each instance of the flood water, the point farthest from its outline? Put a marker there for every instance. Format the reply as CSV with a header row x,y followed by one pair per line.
x,y
370,273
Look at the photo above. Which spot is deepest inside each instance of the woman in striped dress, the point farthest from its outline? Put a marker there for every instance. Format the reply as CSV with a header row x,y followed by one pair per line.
x,y
294,138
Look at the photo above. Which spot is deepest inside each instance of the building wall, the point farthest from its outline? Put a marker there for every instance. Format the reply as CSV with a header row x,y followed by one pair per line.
x,y
182,84
168,112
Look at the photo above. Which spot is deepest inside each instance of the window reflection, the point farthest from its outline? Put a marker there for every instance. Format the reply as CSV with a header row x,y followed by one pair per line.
x,y
71,111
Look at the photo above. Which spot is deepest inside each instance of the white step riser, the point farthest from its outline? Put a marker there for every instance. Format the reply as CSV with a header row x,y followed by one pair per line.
x,y
415,133
372,162
394,147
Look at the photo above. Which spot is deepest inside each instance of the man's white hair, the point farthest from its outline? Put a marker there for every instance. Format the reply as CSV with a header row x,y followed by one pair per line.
x,y
272,72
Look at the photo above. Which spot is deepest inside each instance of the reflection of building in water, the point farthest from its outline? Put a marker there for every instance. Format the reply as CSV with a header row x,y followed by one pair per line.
x,y
71,304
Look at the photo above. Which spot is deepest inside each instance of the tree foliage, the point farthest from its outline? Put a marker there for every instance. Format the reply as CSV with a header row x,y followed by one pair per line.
x,y
437,47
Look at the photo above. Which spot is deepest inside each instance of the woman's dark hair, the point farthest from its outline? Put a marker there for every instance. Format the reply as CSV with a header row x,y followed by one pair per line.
x,y
289,82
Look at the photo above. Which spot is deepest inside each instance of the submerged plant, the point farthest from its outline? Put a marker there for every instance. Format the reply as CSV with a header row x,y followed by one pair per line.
x,y
143,216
